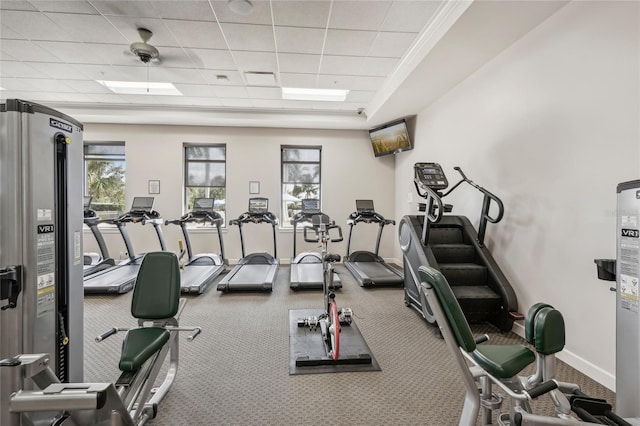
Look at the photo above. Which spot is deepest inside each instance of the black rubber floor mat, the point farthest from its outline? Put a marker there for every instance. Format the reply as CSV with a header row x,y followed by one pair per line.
x,y
306,347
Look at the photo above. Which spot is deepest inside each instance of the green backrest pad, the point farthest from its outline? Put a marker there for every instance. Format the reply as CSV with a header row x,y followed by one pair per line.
x,y
156,294
549,331
450,306
530,321
502,361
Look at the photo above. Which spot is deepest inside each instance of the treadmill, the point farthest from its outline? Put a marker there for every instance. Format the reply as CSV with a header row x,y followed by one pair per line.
x,y
368,268
200,270
94,262
121,278
306,267
256,271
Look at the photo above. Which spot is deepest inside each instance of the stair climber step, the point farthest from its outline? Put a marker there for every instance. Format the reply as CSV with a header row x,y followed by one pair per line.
x,y
478,302
445,235
454,253
464,274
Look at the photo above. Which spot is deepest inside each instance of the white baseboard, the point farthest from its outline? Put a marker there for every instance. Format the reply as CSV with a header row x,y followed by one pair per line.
x,y
601,376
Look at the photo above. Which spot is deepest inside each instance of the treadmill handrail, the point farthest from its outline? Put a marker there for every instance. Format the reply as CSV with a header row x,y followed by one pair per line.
x,y
262,217
367,217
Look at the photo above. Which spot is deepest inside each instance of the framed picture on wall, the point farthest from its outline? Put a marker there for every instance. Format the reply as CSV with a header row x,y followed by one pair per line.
x,y
154,187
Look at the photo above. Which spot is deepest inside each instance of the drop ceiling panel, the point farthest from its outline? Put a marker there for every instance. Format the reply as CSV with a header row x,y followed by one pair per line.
x,y
88,28
303,14
249,37
20,70
175,75
87,86
256,61
8,34
197,10
42,97
114,73
343,82
196,90
360,96
260,15
16,5
58,70
299,40
211,59
26,51
298,62
136,9
349,43
65,6
36,85
34,26
347,65
205,35
409,16
212,77
81,53
358,15
297,80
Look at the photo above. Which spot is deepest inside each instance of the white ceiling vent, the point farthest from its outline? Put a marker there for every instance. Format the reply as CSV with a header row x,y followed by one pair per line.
x,y
260,78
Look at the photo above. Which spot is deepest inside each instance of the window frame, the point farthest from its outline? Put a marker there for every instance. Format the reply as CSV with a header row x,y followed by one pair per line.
x,y
103,157
284,218
185,187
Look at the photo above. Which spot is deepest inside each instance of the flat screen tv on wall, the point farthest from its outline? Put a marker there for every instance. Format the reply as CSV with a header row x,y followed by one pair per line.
x,y
390,138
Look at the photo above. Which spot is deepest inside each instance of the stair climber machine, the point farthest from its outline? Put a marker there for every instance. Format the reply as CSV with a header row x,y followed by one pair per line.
x,y
199,271
368,268
255,271
94,262
306,267
451,245
121,278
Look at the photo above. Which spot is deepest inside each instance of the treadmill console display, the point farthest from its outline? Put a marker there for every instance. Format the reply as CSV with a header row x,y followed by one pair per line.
x,y
431,175
258,205
142,205
203,204
364,206
310,205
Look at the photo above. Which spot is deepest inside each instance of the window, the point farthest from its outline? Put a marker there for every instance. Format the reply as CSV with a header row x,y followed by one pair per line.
x,y
104,171
300,178
205,175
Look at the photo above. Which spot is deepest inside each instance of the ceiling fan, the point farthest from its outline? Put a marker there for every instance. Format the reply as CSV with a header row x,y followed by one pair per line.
x,y
143,50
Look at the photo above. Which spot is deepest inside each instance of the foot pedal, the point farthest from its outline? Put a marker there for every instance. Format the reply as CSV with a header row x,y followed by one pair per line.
x,y
126,378
345,316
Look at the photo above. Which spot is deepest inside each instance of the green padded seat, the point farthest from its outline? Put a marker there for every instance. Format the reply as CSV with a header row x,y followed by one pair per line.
x,y
139,345
156,296
501,361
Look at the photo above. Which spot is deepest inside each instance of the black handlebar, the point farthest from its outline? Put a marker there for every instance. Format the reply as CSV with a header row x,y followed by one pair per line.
x,y
542,388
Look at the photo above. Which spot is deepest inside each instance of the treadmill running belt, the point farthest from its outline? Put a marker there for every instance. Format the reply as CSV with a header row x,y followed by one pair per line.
x,y
378,273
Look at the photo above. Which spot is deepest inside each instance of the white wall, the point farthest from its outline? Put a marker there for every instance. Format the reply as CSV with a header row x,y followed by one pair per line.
x,y
550,126
349,171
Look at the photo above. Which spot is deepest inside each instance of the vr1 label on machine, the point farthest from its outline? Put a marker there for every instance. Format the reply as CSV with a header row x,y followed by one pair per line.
x,y
45,269
631,233
53,122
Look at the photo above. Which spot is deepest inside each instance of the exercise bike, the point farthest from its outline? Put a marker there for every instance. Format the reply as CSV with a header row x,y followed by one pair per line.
x,y
331,320
135,397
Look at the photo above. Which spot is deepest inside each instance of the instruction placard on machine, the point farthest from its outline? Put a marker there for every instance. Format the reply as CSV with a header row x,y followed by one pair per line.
x,y
629,260
46,268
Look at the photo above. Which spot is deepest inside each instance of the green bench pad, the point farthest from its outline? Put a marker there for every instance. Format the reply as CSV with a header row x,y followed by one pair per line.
x,y
503,361
139,345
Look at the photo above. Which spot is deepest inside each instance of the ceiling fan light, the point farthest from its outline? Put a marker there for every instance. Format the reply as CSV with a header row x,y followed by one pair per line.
x,y
241,7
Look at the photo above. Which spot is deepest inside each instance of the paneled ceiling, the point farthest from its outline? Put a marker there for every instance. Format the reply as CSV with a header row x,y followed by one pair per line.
x,y
53,52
